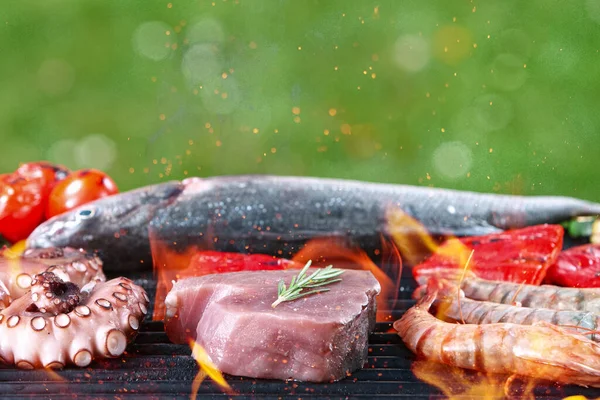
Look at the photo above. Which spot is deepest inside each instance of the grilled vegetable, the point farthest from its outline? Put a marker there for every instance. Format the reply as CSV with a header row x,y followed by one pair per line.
x,y
521,255
576,267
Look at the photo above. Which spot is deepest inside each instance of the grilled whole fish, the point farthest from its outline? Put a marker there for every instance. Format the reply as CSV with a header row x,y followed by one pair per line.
x,y
272,214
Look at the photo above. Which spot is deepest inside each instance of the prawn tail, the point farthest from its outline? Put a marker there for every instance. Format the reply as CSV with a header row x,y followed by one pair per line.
x,y
576,360
426,301
569,364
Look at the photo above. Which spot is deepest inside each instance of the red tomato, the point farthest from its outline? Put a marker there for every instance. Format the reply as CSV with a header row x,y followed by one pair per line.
x,y
79,188
47,173
521,255
215,262
576,267
21,206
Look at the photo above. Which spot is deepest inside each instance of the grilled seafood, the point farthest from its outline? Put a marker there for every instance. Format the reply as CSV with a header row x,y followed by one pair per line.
x,y
544,296
57,323
277,215
540,350
69,264
452,304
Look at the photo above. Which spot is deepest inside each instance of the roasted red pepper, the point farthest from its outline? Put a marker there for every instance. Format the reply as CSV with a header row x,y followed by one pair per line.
x,y
170,266
215,262
576,267
521,255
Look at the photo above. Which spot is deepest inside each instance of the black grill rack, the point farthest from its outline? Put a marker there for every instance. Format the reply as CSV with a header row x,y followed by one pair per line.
x,y
154,368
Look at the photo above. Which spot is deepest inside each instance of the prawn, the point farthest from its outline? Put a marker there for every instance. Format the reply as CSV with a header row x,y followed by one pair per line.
x,y
544,296
540,350
470,311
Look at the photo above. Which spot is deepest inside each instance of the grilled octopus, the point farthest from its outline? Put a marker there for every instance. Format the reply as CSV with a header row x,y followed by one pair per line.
x,y
57,323
69,264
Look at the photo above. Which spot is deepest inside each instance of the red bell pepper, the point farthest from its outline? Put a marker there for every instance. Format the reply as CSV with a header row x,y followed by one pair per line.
x,y
520,255
576,267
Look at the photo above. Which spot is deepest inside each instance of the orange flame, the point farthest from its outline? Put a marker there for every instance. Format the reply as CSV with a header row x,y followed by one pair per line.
x,y
332,251
207,368
416,243
457,383
55,376
13,255
170,265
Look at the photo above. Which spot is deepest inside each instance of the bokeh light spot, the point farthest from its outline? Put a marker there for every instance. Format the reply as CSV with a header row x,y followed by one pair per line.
x,y
514,41
508,72
452,44
452,160
492,112
95,151
205,31
593,9
217,104
411,52
202,64
55,77
62,152
558,58
150,40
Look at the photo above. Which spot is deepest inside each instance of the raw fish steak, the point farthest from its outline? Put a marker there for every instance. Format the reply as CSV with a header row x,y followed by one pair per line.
x,y
317,338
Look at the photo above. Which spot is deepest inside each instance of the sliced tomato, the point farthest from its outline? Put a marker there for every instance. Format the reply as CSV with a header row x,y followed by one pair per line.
x,y
215,262
520,255
21,206
79,188
576,267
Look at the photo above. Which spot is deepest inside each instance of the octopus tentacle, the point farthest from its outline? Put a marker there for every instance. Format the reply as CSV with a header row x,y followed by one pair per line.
x,y
69,264
107,315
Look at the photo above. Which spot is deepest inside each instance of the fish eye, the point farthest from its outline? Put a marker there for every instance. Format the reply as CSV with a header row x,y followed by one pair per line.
x,y
86,213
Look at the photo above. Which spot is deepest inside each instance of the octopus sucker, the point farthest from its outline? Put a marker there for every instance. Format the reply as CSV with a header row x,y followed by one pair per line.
x,y
111,341
82,358
70,265
57,323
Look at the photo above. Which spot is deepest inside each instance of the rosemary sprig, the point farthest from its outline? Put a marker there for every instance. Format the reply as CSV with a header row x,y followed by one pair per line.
x,y
321,277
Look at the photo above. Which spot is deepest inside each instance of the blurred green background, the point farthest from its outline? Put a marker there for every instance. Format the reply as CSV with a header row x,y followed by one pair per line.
x,y
487,96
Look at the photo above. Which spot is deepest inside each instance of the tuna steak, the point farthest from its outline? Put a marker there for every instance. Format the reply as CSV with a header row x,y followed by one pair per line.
x,y
316,338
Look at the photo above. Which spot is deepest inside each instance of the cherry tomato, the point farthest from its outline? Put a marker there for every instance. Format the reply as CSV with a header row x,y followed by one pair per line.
x,y
47,173
520,255
576,267
79,188
21,206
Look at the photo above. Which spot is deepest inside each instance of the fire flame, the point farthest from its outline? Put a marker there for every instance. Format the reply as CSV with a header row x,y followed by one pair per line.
x,y
456,383
13,255
416,243
170,265
330,251
207,368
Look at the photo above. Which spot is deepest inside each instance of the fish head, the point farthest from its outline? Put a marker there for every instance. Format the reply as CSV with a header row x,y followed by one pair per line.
x,y
116,227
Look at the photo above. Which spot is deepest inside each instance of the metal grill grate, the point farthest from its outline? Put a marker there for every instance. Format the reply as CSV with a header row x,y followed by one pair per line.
x,y
155,368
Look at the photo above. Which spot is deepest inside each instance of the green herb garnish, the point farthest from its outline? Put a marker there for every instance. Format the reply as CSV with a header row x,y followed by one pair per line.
x,y
321,277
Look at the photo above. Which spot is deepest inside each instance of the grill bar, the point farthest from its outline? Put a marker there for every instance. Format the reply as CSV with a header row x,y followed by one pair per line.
x,y
155,368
